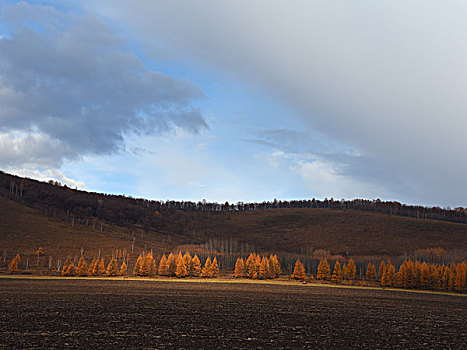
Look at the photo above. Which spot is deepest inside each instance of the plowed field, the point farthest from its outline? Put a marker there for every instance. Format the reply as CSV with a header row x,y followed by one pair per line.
x,y
89,314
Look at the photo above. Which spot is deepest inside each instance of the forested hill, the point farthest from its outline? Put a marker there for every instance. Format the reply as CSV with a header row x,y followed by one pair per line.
x,y
34,214
70,204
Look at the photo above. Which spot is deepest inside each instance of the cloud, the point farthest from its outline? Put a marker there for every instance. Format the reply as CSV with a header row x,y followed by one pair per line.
x,y
47,175
386,79
72,86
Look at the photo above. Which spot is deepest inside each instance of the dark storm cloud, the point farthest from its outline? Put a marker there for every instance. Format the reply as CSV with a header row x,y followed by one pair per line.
x,y
70,79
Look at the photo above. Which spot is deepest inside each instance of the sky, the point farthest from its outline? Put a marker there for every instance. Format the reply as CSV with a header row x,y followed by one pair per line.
x,y
238,101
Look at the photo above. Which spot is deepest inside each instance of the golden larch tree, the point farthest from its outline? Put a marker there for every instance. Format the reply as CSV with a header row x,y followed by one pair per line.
x,y
13,265
263,272
112,268
187,259
163,267
370,272
351,270
92,270
460,276
337,273
425,276
215,268
324,270
299,271
195,266
138,266
381,271
101,267
239,268
123,268
207,269
172,264
82,268
181,270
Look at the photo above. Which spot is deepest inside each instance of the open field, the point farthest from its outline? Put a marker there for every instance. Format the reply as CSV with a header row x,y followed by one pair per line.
x,y
74,313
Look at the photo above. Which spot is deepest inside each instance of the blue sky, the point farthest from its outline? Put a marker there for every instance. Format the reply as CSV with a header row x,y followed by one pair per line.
x,y
238,102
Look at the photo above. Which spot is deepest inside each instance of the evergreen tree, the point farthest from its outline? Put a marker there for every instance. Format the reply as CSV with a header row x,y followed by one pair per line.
x,y
163,267
196,266
299,271
370,272
337,273
239,268
13,265
324,270
82,269
123,268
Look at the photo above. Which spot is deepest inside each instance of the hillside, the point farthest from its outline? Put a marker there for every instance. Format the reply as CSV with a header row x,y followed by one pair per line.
x,y
288,231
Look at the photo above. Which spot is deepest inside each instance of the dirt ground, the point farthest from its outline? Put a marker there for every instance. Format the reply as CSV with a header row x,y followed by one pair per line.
x,y
89,314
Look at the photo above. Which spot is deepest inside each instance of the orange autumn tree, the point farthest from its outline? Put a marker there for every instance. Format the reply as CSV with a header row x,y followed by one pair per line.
x,y
163,267
239,268
123,268
82,268
324,271
112,268
370,272
207,269
460,283
215,268
92,270
138,266
13,265
188,261
101,267
350,271
263,272
181,268
274,267
299,271
196,266
171,264
337,273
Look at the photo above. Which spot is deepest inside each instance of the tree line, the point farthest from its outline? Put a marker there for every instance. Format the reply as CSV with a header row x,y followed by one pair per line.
x,y
94,209
410,275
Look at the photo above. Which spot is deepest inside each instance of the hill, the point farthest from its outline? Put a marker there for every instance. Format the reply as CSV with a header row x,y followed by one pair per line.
x,y
63,221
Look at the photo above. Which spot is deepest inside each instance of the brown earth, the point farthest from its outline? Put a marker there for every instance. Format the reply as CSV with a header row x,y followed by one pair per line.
x,y
165,315
291,231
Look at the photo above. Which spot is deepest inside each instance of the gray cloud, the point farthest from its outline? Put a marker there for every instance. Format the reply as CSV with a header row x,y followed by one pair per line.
x,y
68,80
386,78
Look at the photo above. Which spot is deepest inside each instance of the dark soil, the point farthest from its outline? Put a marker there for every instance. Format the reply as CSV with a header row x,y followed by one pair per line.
x,y
169,315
